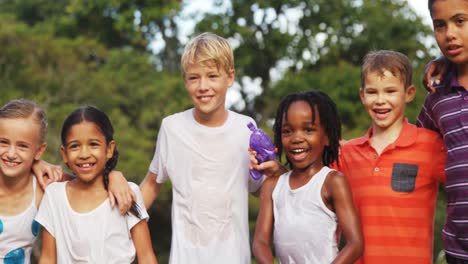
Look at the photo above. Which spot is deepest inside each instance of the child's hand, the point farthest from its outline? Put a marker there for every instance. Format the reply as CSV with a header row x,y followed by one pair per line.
x,y
271,168
120,192
46,173
436,69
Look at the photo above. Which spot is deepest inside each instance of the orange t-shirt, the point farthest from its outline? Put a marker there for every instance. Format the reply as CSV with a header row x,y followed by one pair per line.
x,y
395,193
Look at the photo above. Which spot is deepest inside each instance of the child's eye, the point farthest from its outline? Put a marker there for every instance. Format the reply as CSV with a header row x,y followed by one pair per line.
x,y
3,142
73,146
23,146
310,129
192,78
94,144
214,76
460,21
438,25
286,131
370,92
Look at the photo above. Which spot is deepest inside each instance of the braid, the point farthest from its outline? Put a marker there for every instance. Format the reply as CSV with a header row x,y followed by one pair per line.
x,y
110,165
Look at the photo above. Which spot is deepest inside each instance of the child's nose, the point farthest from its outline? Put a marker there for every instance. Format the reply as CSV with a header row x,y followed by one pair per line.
x,y
203,84
11,151
84,152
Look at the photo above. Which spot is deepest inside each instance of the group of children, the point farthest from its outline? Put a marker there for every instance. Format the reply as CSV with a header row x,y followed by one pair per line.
x,y
378,190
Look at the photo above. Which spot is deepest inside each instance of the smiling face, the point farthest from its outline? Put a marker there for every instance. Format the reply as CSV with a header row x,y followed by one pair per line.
x,y
20,145
450,20
303,140
86,152
207,85
385,98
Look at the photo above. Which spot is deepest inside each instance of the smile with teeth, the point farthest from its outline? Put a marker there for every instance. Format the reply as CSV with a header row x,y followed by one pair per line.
x,y
11,163
85,165
205,98
298,150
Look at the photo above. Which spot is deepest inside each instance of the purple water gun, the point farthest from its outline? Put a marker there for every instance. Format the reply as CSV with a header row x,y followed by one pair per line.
x,y
262,144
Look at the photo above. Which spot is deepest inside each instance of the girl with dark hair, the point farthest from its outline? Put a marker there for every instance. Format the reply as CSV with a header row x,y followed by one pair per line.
x,y
303,208
80,226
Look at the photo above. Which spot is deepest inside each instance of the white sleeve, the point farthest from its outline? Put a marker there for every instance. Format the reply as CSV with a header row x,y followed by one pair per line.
x,y
158,163
45,214
132,220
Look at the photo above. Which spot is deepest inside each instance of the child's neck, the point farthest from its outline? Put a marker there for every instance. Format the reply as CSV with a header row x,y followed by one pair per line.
x,y
462,75
14,184
381,138
216,119
86,196
300,177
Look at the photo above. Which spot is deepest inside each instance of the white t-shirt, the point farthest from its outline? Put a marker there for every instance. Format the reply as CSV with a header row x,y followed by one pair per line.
x,y
99,236
209,171
304,228
18,233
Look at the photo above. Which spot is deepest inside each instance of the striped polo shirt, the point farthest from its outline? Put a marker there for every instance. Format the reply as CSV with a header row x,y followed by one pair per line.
x,y
395,193
446,111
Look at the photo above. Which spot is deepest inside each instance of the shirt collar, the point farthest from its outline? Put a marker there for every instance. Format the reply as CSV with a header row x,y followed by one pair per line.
x,y
407,135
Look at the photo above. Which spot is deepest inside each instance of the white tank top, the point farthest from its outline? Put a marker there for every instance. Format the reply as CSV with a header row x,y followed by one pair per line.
x,y
304,228
18,233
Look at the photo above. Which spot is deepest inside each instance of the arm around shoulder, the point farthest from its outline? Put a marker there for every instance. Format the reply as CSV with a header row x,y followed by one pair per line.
x,y
264,226
348,220
149,189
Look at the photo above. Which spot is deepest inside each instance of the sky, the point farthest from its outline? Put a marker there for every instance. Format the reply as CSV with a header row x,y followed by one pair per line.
x,y
420,6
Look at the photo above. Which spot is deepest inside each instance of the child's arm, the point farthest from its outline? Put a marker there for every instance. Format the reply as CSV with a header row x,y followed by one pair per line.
x,y
48,252
264,226
142,241
119,192
340,195
149,189
46,173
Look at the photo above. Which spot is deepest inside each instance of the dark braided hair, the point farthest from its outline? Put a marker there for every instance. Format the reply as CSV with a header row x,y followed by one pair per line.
x,y
100,119
329,120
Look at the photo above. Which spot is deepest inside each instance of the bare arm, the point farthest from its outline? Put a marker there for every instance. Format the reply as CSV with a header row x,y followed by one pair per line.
x,y
149,189
264,226
47,173
340,194
119,192
142,240
49,251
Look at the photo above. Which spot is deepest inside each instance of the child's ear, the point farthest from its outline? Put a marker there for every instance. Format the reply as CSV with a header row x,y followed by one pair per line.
x,y
40,151
110,149
361,94
231,77
410,93
64,155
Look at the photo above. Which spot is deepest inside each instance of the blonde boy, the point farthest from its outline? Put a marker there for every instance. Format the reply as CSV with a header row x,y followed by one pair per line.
x,y
202,151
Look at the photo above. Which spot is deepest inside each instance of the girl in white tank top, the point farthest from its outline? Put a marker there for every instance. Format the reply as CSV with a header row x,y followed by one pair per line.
x,y
303,208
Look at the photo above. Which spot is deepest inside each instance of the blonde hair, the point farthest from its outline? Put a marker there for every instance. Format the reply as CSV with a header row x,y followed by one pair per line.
x,y
22,108
208,48
387,60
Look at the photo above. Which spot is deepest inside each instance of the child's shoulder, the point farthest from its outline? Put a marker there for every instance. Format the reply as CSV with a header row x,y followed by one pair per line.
x,y
241,119
55,186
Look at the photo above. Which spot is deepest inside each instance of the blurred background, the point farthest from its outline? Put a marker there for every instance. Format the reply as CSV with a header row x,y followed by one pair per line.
x,y
124,57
